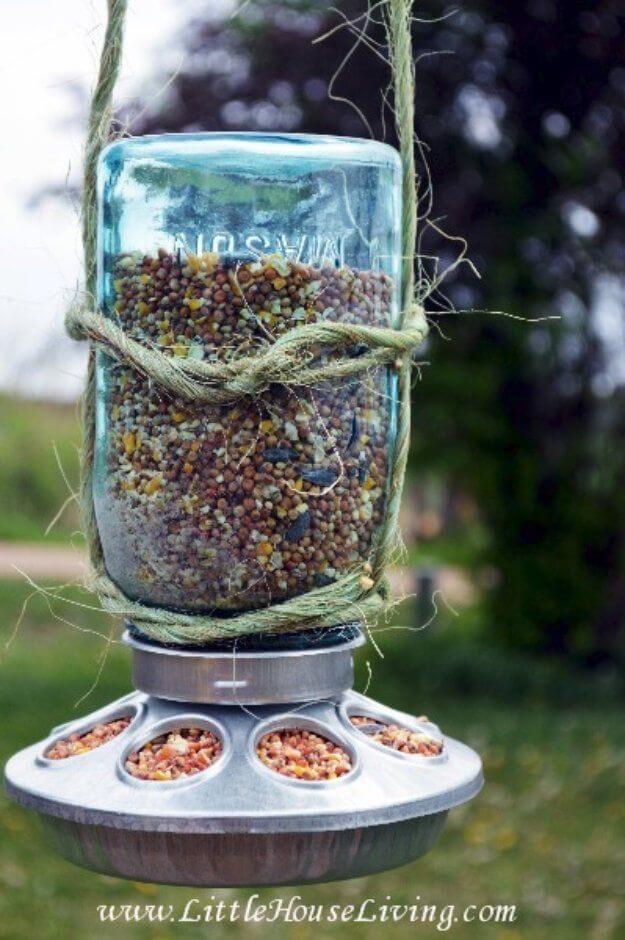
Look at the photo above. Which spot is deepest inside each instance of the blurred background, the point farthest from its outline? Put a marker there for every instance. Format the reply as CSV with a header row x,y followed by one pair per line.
x,y
514,513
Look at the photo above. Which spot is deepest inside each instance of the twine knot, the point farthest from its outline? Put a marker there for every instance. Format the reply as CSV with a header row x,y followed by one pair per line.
x,y
292,360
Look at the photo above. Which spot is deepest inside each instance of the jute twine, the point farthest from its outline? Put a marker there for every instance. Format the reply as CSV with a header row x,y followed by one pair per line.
x,y
292,361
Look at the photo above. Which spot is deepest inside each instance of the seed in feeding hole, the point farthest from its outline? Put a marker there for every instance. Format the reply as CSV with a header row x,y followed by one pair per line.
x,y
397,737
367,725
303,755
89,740
175,755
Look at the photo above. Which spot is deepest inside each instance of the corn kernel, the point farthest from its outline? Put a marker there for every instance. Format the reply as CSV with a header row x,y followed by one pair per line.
x,y
152,485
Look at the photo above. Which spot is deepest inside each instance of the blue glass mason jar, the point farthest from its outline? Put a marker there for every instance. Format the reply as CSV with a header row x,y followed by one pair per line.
x,y
210,246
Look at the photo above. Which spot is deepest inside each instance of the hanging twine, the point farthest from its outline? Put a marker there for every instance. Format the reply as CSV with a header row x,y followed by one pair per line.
x,y
290,361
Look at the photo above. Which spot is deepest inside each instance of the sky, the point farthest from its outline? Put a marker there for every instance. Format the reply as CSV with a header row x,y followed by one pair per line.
x,y
48,61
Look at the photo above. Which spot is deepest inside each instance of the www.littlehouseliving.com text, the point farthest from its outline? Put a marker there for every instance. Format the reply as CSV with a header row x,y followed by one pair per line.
x,y
294,910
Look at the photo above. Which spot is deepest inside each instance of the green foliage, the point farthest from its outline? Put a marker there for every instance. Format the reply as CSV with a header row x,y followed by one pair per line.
x,y
462,664
32,488
549,495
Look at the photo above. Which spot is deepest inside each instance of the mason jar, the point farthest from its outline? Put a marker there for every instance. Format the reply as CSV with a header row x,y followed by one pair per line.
x,y
210,247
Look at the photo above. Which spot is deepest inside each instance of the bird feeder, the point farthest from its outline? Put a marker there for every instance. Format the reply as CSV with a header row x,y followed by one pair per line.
x,y
250,761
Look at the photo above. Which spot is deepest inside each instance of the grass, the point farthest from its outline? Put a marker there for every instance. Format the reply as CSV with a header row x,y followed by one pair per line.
x,y
32,488
547,833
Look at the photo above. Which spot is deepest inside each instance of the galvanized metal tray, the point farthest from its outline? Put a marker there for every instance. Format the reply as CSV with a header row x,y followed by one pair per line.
x,y
239,823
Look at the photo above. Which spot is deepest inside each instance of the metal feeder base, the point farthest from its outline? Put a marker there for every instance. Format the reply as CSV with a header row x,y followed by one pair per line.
x,y
240,823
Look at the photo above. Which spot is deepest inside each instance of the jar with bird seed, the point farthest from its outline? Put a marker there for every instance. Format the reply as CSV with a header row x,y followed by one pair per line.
x,y
212,247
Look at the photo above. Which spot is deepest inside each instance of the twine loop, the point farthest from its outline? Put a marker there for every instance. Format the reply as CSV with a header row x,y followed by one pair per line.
x,y
297,357
292,360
